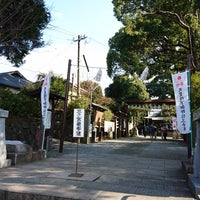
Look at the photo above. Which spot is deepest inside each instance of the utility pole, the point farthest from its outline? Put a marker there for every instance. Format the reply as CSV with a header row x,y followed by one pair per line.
x,y
78,62
62,138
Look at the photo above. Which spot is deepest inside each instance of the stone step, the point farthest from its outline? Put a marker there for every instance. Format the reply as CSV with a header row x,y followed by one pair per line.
x,y
5,163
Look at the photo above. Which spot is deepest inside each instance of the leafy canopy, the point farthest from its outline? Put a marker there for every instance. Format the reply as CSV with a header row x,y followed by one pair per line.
x,y
21,26
19,104
161,89
195,91
155,33
124,87
94,88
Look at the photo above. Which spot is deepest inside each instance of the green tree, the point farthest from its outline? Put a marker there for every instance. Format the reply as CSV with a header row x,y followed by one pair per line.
x,y
107,102
97,97
19,104
108,115
21,26
155,33
58,83
93,87
124,87
159,88
195,91
77,102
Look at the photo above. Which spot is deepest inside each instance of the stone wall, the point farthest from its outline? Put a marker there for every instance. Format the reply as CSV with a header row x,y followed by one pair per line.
x,y
25,130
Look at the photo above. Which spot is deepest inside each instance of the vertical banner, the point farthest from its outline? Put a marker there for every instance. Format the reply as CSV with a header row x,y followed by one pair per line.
x,y
45,90
180,84
48,117
174,123
78,125
45,99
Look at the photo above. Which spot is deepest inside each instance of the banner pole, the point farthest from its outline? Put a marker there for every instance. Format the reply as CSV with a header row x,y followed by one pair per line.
x,y
43,136
62,137
189,97
77,148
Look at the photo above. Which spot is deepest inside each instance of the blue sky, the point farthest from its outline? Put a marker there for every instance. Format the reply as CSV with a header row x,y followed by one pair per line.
x,y
70,18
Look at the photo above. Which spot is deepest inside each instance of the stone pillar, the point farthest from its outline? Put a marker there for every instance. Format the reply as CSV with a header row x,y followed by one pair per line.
x,y
196,165
3,153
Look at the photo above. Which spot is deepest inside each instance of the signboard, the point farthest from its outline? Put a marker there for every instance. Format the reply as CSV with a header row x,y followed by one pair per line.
x,y
180,84
78,126
109,126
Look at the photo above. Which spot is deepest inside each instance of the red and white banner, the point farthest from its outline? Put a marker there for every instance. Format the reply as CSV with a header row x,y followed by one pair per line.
x,y
45,90
180,84
174,123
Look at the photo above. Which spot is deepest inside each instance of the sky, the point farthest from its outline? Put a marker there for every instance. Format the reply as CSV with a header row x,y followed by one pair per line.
x,y
91,19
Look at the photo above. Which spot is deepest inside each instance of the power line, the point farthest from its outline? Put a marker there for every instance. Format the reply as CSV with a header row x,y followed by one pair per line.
x,y
99,42
67,32
61,30
94,67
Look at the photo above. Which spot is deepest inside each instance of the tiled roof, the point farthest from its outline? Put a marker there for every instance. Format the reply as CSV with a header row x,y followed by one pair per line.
x,y
13,79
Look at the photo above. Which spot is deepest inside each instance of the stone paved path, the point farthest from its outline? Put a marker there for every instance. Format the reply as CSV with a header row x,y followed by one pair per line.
x,y
124,169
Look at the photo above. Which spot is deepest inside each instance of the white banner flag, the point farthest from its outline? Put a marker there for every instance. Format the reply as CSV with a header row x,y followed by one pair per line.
x,y
98,76
45,90
180,84
78,125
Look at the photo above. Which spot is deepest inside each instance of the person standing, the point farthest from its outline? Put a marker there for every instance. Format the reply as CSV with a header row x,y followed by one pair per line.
x,y
151,130
165,133
162,131
145,131
155,131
